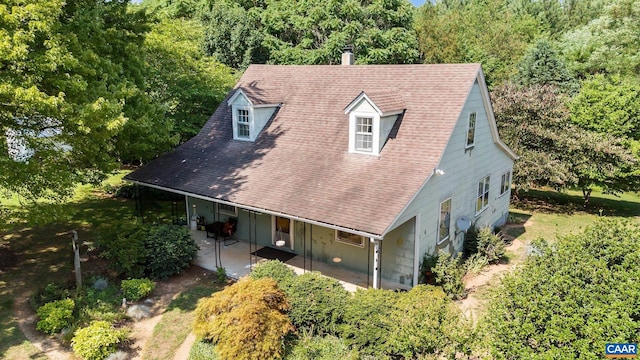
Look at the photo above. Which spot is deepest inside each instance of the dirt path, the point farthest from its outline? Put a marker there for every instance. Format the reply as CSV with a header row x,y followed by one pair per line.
x,y
27,324
141,331
475,302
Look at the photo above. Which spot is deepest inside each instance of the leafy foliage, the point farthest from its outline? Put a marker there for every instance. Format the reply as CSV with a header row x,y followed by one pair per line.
x,y
123,244
170,250
542,65
247,320
136,289
534,122
276,270
326,347
158,251
608,105
368,320
317,303
311,32
448,273
490,245
608,44
97,341
48,293
588,299
180,78
55,316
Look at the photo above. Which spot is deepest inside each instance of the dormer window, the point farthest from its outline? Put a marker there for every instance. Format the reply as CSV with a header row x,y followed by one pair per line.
x,y
364,134
243,123
370,125
251,109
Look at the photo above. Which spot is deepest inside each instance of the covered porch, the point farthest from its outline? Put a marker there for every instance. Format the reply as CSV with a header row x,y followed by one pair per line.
x,y
352,258
237,260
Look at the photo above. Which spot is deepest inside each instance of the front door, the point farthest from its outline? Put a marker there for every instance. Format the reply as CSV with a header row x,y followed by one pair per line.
x,y
282,233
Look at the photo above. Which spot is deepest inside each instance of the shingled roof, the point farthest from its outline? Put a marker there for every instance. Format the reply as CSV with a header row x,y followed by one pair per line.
x,y
299,164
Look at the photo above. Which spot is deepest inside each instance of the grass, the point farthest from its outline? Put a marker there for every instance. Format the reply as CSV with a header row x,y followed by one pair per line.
x,y
176,323
549,214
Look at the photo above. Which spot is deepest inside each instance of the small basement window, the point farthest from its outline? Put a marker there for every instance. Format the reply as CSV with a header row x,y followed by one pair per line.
x,y
349,238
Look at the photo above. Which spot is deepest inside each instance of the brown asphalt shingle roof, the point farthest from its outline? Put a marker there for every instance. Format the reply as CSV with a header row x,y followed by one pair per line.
x,y
299,165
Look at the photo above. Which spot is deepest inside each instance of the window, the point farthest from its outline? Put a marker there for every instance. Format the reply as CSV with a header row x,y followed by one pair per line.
x,y
349,238
483,194
243,123
228,209
364,134
444,222
505,183
471,130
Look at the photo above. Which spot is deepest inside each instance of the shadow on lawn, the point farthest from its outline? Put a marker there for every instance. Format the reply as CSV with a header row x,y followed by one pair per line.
x,y
549,201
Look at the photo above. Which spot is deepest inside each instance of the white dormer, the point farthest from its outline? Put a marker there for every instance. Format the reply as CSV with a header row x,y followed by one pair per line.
x,y
250,112
370,124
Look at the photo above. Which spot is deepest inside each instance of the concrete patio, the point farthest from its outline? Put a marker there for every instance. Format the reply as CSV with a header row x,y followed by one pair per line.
x,y
237,261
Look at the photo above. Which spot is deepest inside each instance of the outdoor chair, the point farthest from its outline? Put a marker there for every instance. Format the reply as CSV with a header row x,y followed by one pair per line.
x,y
223,231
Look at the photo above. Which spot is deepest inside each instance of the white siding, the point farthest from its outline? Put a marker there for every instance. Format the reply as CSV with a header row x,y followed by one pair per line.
x,y
463,168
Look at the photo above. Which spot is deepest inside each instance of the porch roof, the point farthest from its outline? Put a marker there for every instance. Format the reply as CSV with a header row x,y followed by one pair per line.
x,y
299,164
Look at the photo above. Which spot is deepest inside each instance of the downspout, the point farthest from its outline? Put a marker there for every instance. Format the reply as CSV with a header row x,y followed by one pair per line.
x,y
376,262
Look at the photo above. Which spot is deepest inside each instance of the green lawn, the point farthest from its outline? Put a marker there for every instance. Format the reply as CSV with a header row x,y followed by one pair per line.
x,y
549,214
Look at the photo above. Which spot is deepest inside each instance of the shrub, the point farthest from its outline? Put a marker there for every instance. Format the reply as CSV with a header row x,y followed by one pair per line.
x,y
424,322
322,348
202,350
448,274
123,244
426,269
55,316
170,249
50,292
572,298
475,263
470,245
317,302
276,270
367,320
138,312
490,245
97,341
95,304
246,320
136,289
100,284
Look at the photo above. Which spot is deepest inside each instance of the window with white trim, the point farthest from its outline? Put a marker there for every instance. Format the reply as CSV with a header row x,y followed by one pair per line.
x,y
483,194
471,130
364,134
349,238
242,123
444,221
228,209
505,183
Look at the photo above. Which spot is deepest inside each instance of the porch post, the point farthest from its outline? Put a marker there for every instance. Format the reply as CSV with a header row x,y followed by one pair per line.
x,y
186,204
376,263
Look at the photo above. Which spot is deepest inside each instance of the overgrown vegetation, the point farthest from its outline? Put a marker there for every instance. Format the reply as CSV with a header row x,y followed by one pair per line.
x,y
572,297
139,250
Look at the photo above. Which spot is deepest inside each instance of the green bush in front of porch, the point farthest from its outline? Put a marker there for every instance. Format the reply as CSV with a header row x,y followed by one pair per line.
x,y
138,250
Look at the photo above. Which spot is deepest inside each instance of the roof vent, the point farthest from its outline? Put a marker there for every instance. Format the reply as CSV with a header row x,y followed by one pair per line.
x,y
347,55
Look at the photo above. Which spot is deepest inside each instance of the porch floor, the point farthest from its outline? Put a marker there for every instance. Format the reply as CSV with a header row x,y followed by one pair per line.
x,y
236,259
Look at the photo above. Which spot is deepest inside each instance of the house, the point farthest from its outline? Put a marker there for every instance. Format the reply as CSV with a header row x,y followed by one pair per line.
x,y
361,167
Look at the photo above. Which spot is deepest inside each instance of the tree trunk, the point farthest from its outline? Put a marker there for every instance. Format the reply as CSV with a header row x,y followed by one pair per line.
x,y
586,195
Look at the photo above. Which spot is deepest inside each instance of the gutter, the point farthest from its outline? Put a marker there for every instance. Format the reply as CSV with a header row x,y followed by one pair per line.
x,y
269,212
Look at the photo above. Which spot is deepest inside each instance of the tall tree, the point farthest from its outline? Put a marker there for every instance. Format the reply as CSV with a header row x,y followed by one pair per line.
x,y
608,105
310,32
69,76
542,65
534,122
487,32
186,83
609,44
